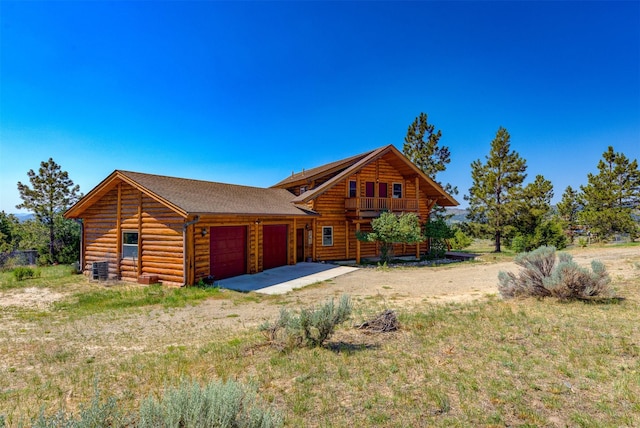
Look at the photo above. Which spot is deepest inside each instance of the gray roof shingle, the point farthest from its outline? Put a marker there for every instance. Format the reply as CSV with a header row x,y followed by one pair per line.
x,y
206,197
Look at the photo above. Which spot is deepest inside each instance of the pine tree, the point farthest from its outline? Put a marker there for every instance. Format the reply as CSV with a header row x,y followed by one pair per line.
x,y
535,205
611,196
421,147
496,191
52,193
568,209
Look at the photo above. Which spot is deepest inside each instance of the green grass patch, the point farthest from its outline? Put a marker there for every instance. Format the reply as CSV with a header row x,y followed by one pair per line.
x,y
47,276
127,296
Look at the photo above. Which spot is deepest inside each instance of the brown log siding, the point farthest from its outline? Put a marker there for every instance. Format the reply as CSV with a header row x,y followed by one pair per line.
x,y
159,236
331,207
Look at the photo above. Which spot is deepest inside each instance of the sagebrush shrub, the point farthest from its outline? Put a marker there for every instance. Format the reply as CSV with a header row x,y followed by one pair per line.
x,y
537,265
312,327
542,277
99,413
215,405
570,281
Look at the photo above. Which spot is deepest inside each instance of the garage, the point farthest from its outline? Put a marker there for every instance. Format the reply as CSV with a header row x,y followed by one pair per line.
x,y
228,253
274,245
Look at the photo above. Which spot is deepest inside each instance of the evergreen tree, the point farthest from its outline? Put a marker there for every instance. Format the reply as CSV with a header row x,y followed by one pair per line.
x,y
421,147
535,206
568,209
52,192
611,196
496,192
8,234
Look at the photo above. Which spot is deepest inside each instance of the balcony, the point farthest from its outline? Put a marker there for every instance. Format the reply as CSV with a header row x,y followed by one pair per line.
x,y
371,207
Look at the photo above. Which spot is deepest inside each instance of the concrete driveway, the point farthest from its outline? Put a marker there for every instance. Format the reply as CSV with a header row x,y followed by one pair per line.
x,y
283,279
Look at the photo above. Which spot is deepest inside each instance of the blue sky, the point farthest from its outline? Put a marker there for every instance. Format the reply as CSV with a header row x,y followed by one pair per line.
x,y
247,92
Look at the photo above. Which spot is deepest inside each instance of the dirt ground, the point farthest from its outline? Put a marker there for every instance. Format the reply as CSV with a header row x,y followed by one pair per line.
x,y
393,288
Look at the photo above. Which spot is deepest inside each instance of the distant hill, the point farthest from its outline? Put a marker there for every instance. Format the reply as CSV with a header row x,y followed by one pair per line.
x,y
24,217
459,215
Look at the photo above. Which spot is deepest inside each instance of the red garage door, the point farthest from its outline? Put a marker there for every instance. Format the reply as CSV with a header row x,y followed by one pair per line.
x,y
228,251
274,245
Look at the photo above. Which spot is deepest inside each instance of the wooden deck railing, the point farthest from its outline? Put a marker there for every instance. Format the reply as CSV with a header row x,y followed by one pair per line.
x,y
381,204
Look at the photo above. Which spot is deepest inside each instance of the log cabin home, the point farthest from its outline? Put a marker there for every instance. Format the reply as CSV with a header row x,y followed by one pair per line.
x,y
151,228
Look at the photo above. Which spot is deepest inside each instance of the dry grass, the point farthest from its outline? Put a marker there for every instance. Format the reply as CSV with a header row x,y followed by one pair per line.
x,y
523,362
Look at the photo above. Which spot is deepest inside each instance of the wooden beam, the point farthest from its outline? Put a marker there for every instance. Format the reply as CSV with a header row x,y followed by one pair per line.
x,y
313,241
255,245
139,261
358,194
357,244
119,231
346,225
295,242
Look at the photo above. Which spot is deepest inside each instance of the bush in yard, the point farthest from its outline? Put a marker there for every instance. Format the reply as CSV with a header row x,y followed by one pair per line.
x,y
99,413
437,231
312,327
215,405
520,243
542,277
460,239
24,272
389,229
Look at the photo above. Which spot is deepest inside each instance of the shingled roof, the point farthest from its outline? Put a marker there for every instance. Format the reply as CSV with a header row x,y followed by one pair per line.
x,y
321,171
189,197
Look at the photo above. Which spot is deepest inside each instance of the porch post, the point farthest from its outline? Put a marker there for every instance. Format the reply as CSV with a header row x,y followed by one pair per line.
x,y
357,244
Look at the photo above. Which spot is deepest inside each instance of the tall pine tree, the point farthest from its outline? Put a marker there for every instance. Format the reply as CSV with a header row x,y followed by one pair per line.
x,y
611,196
52,192
535,205
496,190
568,209
421,146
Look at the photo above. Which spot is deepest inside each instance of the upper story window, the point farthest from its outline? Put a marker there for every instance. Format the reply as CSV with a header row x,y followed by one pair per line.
x,y
303,189
397,190
130,244
327,236
353,189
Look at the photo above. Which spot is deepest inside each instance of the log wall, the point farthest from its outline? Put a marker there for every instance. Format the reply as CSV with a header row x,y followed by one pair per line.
x,y
331,207
160,239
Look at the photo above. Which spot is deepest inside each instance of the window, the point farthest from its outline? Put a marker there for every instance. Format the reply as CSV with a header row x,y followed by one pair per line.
x,y
303,189
130,245
352,189
397,190
327,236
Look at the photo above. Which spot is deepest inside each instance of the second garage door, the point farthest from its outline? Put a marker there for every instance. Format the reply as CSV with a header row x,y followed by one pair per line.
x,y
228,251
274,245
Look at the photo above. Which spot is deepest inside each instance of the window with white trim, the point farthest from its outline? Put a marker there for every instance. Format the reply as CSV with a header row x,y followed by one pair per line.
x,y
397,190
353,188
327,236
129,244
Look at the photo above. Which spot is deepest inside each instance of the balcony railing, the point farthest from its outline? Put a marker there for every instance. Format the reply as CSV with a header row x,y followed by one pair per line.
x,y
381,204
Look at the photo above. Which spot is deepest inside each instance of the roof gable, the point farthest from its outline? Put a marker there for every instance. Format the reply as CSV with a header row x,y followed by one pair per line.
x,y
354,164
309,175
187,197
